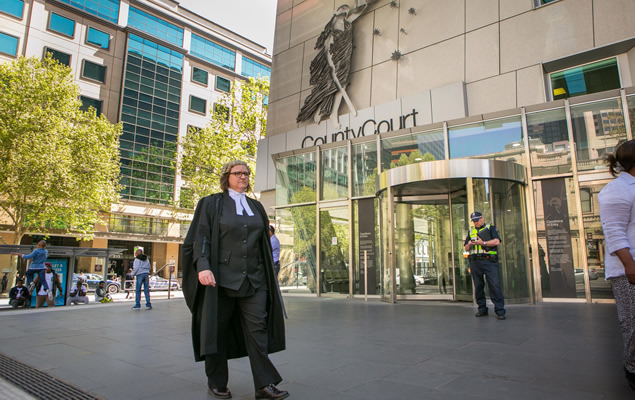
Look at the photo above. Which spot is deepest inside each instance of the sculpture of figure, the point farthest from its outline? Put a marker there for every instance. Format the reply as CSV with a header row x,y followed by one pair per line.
x,y
331,67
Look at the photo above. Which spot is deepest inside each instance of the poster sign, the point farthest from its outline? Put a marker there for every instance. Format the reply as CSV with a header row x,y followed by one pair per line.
x,y
557,230
366,240
61,267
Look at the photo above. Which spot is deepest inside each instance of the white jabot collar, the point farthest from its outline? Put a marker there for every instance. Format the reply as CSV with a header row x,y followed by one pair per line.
x,y
241,202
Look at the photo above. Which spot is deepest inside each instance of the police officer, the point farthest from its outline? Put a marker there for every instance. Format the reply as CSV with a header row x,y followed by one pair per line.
x,y
482,243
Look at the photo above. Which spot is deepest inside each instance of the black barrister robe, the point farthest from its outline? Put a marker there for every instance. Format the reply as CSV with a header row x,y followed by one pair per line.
x,y
200,249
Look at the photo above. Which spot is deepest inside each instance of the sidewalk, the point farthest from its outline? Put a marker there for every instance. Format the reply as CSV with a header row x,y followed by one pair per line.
x,y
337,349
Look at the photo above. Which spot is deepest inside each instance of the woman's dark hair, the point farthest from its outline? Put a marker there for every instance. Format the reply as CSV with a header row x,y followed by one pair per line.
x,y
224,174
623,159
272,229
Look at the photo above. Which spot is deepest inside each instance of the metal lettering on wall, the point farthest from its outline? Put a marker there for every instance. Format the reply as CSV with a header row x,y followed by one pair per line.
x,y
559,252
331,67
369,127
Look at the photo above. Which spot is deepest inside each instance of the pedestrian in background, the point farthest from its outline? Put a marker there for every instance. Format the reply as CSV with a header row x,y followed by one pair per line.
x,y
18,295
37,257
128,282
617,213
141,269
482,243
5,282
78,294
275,248
47,294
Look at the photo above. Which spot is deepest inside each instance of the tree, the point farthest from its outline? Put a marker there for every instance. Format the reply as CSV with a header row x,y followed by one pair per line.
x,y
59,165
238,122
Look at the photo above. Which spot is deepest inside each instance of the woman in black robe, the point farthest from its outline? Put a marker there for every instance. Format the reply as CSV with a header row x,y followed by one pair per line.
x,y
230,287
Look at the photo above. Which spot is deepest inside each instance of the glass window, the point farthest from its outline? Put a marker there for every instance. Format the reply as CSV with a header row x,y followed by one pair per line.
x,y
594,241
94,71
499,140
155,26
364,164
106,9
558,239
219,108
538,3
334,246
8,44
12,7
597,128
98,38
138,225
335,173
198,105
88,102
296,230
222,84
61,58
63,25
631,111
409,149
212,52
255,69
295,179
549,148
199,75
589,78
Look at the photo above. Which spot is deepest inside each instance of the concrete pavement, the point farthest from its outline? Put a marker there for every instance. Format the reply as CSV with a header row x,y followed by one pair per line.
x,y
336,349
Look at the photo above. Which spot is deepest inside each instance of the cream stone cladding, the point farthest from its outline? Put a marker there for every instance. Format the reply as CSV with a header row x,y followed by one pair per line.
x,y
441,43
458,58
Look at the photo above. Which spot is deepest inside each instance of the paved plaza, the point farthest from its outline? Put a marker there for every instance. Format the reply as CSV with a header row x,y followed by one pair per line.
x,y
336,349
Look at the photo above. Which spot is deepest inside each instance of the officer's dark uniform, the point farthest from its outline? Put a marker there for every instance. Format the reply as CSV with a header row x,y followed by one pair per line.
x,y
483,260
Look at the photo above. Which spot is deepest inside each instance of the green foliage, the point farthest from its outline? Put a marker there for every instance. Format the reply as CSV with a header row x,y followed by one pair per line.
x,y
59,166
238,122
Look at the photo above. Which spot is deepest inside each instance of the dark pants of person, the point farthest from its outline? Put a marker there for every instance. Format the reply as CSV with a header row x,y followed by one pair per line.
x,y
30,276
253,316
15,303
490,269
276,267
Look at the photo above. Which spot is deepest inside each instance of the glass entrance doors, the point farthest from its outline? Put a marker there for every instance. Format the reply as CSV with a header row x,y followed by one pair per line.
x,y
334,250
425,209
423,246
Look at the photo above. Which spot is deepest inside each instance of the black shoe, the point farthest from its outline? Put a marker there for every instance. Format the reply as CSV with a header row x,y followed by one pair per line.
x,y
271,392
481,314
221,393
630,377
501,317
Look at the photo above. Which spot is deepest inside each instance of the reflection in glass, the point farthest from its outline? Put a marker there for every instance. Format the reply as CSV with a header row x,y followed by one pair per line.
x,y
460,229
295,228
411,149
364,164
590,78
549,142
497,140
365,246
594,241
334,246
597,128
631,111
295,179
558,238
423,245
334,173
384,248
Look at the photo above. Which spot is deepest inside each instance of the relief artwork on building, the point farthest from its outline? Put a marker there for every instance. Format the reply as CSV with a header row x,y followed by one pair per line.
x,y
331,67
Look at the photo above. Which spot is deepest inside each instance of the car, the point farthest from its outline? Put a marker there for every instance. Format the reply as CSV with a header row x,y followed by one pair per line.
x,y
419,280
92,281
579,275
158,283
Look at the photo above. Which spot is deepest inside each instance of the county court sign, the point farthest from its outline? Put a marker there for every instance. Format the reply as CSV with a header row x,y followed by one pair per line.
x,y
367,128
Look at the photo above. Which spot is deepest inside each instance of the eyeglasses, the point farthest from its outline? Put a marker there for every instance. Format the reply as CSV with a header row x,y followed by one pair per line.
x,y
240,174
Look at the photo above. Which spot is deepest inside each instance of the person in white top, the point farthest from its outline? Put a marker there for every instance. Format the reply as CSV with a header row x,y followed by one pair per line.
x,y
617,213
53,282
78,294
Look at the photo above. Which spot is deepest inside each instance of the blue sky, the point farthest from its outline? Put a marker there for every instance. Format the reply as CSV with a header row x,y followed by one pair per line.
x,y
253,19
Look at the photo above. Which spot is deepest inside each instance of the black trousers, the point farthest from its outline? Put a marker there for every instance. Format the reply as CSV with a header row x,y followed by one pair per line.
x,y
253,316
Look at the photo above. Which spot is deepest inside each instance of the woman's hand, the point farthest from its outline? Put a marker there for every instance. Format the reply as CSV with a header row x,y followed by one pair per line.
x,y
207,278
